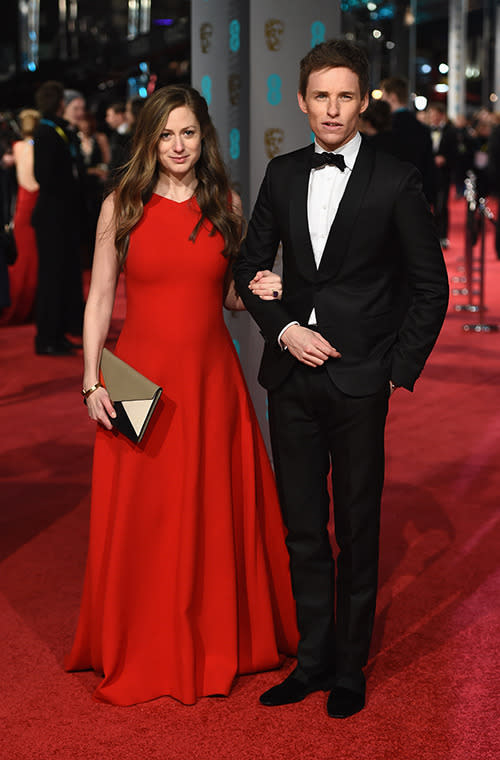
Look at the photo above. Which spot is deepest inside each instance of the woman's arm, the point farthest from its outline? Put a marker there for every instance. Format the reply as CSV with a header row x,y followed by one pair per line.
x,y
105,271
231,299
265,284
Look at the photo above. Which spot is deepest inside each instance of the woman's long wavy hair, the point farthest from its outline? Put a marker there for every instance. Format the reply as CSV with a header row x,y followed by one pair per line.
x,y
136,183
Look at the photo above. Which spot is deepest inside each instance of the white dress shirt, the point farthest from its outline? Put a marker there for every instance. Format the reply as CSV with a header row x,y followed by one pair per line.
x,y
326,188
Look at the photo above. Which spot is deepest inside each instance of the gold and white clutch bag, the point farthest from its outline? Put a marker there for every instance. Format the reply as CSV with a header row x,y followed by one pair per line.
x,y
134,396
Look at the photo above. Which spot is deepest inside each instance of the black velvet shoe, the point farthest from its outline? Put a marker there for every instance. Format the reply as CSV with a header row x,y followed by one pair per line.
x,y
343,702
293,690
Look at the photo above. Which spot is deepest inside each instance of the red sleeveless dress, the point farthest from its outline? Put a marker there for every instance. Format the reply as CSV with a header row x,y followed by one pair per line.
x,y
187,581
23,274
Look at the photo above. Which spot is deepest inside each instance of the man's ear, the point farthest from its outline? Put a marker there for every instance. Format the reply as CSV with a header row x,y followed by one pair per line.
x,y
302,103
364,103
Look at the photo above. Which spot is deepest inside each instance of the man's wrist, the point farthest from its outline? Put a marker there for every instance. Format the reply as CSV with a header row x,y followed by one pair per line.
x,y
282,345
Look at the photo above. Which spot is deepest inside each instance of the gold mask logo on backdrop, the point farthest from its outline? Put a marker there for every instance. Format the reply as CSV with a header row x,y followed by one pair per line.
x,y
273,140
273,31
234,88
206,32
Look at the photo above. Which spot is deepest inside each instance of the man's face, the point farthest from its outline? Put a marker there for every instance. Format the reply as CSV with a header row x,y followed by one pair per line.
x,y
333,103
435,117
113,119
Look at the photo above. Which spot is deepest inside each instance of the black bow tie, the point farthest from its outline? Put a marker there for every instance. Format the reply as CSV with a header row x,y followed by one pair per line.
x,y
331,159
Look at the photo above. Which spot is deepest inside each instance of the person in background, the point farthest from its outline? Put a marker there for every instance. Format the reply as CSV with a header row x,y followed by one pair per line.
x,y
8,134
482,126
445,149
187,582
410,139
57,222
23,275
465,153
117,122
133,109
96,156
74,108
365,292
375,124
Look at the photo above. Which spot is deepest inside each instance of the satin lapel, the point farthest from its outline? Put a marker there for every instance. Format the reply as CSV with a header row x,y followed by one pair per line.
x,y
339,237
299,227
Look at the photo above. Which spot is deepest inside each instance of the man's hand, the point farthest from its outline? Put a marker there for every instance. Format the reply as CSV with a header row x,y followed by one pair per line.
x,y
307,346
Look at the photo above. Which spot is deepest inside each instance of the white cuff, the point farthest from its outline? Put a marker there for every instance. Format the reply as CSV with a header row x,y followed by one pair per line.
x,y
285,348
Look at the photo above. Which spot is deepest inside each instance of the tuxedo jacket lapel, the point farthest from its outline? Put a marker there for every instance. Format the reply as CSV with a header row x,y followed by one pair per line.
x,y
339,237
298,223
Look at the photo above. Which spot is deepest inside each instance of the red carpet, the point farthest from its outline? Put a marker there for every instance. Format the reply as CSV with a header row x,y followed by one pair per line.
x,y
433,680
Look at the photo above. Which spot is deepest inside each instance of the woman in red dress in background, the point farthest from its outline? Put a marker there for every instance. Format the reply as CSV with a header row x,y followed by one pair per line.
x,y
23,274
187,581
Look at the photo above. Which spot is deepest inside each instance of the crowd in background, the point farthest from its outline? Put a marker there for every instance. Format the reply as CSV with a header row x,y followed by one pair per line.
x,y
444,151
56,161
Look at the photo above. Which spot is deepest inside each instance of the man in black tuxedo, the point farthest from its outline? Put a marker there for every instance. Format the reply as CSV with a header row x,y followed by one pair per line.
x,y
364,296
445,147
119,137
409,139
57,221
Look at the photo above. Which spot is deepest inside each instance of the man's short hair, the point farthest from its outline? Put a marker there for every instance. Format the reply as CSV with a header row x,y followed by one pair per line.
x,y
437,106
397,86
335,54
48,97
378,114
117,107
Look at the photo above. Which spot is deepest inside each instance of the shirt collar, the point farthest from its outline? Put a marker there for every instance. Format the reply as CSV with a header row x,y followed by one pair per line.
x,y
349,150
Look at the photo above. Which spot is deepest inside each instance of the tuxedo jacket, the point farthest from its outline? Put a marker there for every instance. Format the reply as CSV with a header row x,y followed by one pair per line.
x,y
411,141
381,290
58,170
448,147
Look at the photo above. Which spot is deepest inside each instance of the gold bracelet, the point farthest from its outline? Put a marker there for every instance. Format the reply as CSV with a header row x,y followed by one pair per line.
x,y
86,393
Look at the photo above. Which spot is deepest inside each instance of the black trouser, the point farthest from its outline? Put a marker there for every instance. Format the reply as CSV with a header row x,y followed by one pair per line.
x,y
59,303
313,424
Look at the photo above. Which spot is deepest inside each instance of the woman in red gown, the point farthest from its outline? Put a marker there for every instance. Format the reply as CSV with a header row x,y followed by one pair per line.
x,y
23,274
187,582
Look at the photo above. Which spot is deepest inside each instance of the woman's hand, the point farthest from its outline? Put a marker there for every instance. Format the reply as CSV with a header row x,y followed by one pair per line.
x,y
100,407
267,285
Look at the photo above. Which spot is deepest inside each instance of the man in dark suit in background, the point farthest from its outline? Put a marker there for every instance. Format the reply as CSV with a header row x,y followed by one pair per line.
x,y
56,219
117,121
364,296
445,149
409,139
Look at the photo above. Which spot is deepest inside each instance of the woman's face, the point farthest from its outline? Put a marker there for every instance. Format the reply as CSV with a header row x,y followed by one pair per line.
x,y
74,111
85,127
179,147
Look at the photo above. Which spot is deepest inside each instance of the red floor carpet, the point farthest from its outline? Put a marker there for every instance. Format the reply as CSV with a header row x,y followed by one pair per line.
x,y
433,678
